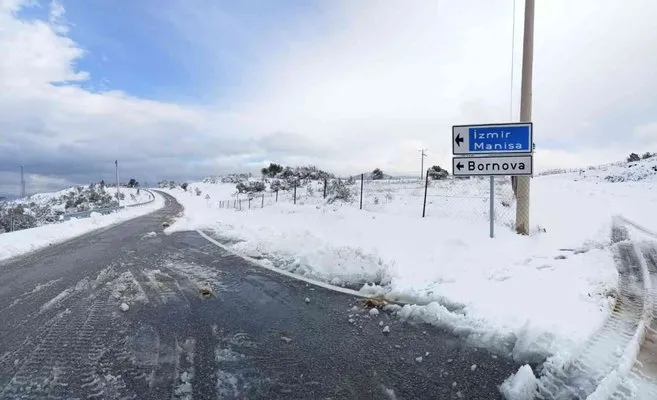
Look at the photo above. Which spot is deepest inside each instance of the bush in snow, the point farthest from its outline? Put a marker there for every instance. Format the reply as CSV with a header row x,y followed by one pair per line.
x,y
339,190
14,218
250,187
289,174
275,185
235,178
633,157
377,174
272,170
184,186
197,191
648,155
436,173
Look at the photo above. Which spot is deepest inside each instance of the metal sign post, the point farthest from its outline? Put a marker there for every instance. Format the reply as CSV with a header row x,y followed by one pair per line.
x,y
493,150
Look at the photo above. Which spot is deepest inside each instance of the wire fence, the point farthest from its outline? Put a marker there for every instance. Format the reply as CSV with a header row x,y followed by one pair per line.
x,y
450,197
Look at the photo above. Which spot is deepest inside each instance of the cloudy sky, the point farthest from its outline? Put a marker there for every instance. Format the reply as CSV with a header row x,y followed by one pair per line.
x,y
182,89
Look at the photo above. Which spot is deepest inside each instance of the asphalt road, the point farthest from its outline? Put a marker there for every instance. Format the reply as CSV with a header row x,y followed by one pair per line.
x,y
205,324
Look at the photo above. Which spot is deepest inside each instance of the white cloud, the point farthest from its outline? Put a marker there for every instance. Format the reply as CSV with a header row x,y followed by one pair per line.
x,y
363,87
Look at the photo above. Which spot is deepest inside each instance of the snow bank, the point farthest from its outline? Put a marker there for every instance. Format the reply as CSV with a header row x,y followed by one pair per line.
x,y
531,296
20,242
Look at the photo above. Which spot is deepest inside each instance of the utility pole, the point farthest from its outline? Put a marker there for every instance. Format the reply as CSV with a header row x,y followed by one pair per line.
x,y
522,182
118,195
424,154
22,183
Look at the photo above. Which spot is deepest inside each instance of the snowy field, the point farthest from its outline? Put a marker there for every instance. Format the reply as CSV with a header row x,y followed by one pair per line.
x,y
532,296
24,241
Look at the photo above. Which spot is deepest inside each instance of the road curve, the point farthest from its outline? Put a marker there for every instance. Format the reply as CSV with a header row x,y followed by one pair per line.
x,y
205,324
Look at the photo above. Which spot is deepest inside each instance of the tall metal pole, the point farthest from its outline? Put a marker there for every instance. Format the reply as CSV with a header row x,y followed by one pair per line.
x,y
426,187
22,183
522,182
492,207
118,195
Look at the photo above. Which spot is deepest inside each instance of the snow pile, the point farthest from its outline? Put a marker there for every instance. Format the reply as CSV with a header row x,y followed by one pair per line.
x,y
20,242
527,296
521,385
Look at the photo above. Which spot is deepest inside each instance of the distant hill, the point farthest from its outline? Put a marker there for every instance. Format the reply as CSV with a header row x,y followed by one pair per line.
x,y
636,171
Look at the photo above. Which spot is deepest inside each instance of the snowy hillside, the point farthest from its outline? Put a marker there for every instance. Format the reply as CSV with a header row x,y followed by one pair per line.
x,y
639,171
22,241
532,296
46,208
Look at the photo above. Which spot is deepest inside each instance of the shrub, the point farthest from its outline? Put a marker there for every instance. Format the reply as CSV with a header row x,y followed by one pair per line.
x,y
436,173
338,190
250,187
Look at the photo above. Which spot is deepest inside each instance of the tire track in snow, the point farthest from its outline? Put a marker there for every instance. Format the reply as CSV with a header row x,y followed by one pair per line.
x,y
59,365
603,352
641,382
29,295
71,356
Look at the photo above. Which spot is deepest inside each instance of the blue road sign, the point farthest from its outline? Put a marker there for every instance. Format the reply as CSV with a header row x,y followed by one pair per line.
x,y
492,138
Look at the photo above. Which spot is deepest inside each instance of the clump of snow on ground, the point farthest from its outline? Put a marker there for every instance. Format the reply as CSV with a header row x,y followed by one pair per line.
x,y
126,289
520,386
20,242
532,296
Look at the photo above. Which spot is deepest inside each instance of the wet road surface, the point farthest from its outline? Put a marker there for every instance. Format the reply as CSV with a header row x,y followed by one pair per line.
x,y
205,324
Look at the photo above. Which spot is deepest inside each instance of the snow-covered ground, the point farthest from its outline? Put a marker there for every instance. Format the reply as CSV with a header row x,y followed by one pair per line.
x,y
533,296
24,241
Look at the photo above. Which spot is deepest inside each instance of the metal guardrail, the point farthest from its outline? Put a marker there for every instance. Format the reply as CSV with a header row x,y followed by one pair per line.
x,y
106,210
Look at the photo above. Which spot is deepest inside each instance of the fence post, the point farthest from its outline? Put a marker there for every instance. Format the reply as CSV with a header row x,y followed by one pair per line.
x,y
277,195
240,203
295,192
325,182
263,201
362,176
426,186
249,202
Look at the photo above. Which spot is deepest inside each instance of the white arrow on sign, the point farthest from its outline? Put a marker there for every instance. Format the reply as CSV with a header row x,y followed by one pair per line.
x,y
493,165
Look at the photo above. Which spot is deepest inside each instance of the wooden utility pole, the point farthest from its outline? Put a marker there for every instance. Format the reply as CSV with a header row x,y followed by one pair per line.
x,y
522,182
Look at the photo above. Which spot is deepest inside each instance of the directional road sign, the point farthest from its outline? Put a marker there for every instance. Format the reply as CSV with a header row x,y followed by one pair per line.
x,y
492,138
492,165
